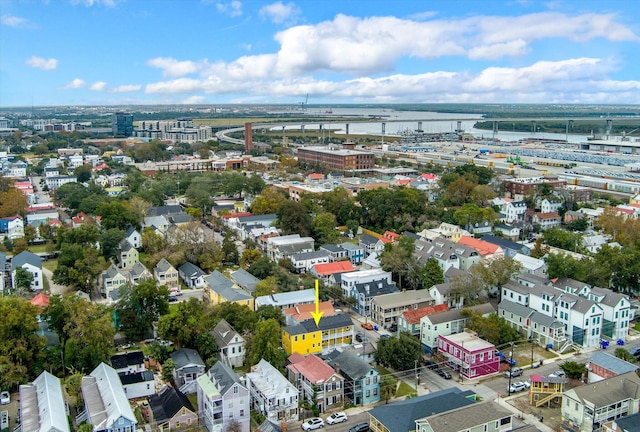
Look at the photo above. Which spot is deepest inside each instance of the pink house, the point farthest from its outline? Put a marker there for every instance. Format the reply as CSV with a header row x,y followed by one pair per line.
x,y
471,356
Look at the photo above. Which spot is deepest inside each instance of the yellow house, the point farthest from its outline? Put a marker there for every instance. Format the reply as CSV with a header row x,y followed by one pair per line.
x,y
219,289
307,338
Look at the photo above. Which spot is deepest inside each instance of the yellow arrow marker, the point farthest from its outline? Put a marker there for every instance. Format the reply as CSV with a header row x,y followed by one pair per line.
x,y
317,314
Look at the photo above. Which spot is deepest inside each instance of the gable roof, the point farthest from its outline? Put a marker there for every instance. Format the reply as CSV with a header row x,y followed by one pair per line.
x,y
25,257
401,416
105,398
186,356
326,269
608,391
325,323
245,279
504,243
456,314
413,316
467,417
43,405
312,368
223,333
612,363
191,270
163,266
483,247
303,312
224,376
164,210
120,361
349,364
166,404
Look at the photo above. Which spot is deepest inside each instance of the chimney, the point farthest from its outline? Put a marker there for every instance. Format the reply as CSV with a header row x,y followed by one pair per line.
x,y
273,295
336,367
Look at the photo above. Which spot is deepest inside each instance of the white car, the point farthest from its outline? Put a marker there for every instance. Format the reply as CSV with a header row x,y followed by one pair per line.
x,y
312,423
517,386
338,417
5,398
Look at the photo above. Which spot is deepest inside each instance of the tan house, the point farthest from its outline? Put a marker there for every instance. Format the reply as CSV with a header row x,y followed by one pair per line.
x,y
170,409
166,274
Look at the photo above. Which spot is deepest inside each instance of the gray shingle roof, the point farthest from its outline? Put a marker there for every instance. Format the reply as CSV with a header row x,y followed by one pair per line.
x,y
223,333
467,417
612,363
456,314
191,270
326,323
629,423
309,255
163,265
186,356
350,365
224,376
504,243
332,248
245,279
515,308
608,391
401,416
25,257
217,279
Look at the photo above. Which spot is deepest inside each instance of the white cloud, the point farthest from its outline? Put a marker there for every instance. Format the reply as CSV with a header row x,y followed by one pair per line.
x,y
232,9
279,12
172,67
13,21
42,63
75,84
89,3
125,88
194,100
579,80
98,86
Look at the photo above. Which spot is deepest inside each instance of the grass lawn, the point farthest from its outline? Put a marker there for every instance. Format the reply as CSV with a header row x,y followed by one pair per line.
x,y
637,326
38,248
522,354
50,264
404,390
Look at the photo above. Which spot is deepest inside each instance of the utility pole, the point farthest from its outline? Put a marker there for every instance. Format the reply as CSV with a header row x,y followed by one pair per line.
x,y
415,371
510,367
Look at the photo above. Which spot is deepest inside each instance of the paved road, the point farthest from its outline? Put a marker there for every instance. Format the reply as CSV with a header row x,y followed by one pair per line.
x,y
356,415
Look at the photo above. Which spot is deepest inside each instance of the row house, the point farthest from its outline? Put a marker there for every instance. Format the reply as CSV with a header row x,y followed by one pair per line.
x,y
308,338
370,244
42,405
317,382
286,246
303,262
485,249
364,285
545,220
470,355
336,252
543,329
386,309
14,169
438,324
223,400
409,320
355,253
511,211
331,273
12,227
447,253
272,394
170,409
588,407
167,275
54,182
361,380
510,232
441,293
231,345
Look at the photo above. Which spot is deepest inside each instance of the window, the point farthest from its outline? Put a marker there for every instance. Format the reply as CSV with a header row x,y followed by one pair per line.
x,y
241,413
235,390
368,393
375,392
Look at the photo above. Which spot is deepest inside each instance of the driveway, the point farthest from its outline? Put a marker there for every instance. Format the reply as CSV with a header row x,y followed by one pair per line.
x,y
54,288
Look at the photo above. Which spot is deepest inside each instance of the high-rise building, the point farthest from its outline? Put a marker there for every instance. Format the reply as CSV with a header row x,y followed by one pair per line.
x,y
122,124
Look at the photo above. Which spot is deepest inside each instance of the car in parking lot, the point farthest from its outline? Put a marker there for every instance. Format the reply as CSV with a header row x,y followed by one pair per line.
x,y
517,386
443,373
338,417
514,372
5,398
313,423
360,427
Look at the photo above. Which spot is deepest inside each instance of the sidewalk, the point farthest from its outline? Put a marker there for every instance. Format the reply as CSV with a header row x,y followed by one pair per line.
x,y
526,418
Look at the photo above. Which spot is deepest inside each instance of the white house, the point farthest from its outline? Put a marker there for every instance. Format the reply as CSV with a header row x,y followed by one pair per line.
x,y
231,345
12,227
134,237
286,246
42,405
31,263
304,261
271,393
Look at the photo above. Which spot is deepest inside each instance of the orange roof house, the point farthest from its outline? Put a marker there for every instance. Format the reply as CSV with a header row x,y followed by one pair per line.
x,y
302,312
328,269
413,316
41,300
484,248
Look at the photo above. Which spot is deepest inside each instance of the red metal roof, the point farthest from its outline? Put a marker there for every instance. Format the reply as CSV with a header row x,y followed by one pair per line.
x,y
326,269
414,316
312,368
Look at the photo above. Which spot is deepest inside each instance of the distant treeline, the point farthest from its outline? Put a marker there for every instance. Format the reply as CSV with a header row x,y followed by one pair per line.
x,y
598,127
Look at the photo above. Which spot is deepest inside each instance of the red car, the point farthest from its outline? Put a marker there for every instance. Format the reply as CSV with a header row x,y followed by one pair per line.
x,y
367,326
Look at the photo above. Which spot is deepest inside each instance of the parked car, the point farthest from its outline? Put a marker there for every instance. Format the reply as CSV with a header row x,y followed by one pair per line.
x,y
443,373
634,351
360,427
360,337
517,387
5,398
367,326
515,372
430,364
338,417
385,336
393,328
558,374
313,423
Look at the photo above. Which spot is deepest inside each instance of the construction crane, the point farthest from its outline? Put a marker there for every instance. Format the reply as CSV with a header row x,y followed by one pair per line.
x,y
624,134
303,104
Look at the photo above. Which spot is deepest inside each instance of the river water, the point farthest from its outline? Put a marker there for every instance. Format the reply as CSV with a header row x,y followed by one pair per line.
x,y
397,122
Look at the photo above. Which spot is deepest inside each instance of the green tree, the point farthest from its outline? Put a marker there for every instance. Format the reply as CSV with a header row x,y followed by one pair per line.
x,y
23,280
497,272
492,328
574,370
229,249
324,228
431,273
398,258
399,353
624,354
190,319
71,195
268,201
458,192
21,349
263,268
292,218
249,256
83,173
110,241
267,286
116,214
167,371
388,385
240,317
140,306
13,201
266,344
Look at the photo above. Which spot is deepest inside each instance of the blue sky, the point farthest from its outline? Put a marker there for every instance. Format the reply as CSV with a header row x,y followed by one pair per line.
x,y
105,52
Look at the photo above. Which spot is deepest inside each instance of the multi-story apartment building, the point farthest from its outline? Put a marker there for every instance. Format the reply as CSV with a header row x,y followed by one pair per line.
x,y
387,308
361,380
271,393
317,382
364,285
222,399
308,338
336,159
470,355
